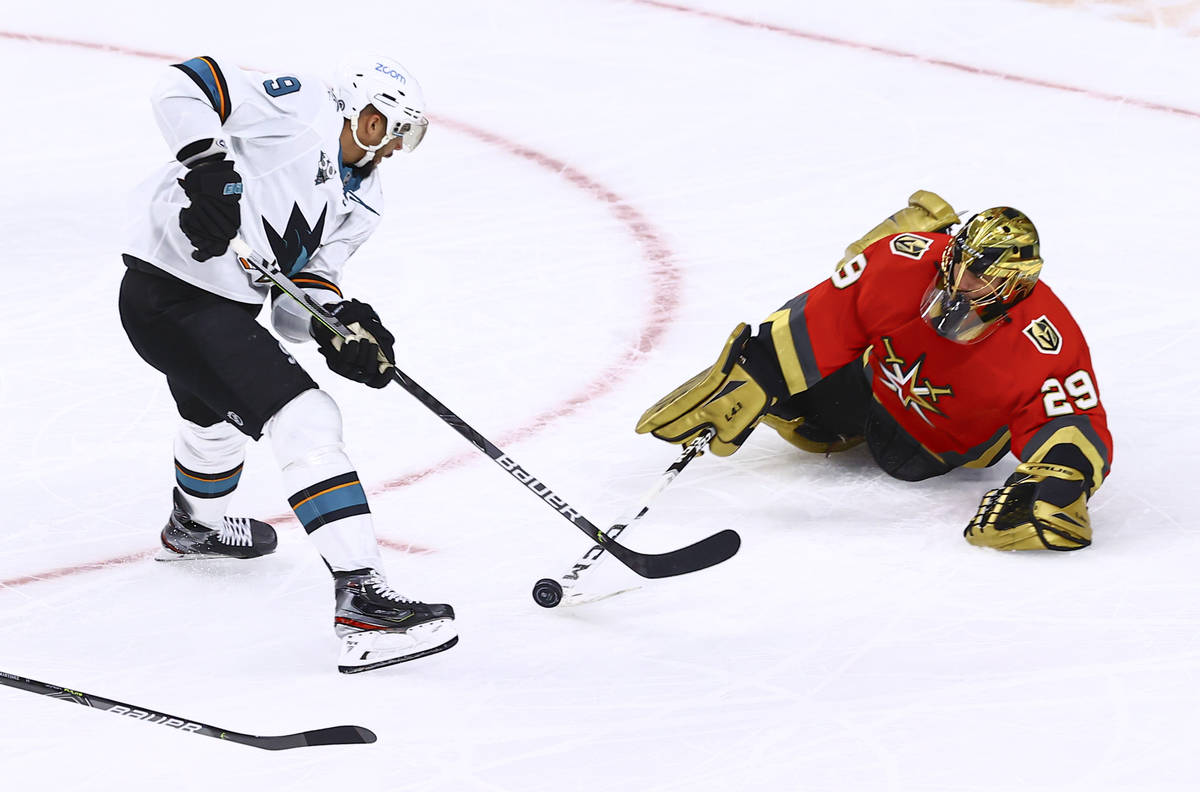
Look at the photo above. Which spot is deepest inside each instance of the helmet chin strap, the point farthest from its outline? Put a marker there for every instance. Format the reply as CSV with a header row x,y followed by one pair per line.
x,y
370,150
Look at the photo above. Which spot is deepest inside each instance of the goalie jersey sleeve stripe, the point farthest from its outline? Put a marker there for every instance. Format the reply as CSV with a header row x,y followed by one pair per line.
x,y
983,455
793,348
1072,441
205,72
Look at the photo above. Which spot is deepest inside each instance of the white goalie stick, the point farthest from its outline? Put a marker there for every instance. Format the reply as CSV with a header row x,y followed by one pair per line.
x,y
551,592
700,555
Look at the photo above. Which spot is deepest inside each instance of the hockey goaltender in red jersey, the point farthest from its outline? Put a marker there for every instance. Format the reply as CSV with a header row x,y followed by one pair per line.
x,y
940,351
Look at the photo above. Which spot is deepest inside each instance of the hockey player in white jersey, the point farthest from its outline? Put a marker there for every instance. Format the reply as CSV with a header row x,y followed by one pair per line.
x,y
288,163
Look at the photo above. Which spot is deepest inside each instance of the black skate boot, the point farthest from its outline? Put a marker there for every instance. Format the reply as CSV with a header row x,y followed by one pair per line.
x,y
238,537
379,627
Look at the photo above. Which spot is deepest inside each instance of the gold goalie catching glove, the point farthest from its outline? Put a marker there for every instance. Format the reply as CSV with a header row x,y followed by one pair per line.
x,y
1040,507
730,396
926,211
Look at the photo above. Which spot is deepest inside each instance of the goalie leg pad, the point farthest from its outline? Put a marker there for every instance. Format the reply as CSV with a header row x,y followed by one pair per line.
x,y
730,396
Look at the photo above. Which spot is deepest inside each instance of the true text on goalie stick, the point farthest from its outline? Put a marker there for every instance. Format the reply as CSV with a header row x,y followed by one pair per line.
x,y
549,592
700,555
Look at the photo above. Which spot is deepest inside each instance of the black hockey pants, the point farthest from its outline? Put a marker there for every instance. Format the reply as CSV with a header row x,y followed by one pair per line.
x,y
842,404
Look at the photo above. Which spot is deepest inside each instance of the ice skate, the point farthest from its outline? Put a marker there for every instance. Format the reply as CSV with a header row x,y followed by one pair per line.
x,y
379,627
238,537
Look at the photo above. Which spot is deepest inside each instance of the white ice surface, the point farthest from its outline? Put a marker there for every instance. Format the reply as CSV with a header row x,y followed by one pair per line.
x,y
607,188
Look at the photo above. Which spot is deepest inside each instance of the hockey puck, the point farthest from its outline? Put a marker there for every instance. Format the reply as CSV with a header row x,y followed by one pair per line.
x,y
547,593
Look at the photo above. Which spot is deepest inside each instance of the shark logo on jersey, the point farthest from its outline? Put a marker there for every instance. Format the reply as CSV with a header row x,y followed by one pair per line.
x,y
913,392
326,170
910,245
298,242
1044,335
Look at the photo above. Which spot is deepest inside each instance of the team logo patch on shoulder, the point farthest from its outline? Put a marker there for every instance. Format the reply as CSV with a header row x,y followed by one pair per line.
x,y
326,170
1044,335
910,245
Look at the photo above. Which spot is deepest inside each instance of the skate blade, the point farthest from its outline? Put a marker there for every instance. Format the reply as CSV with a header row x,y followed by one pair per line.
x,y
371,649
170,555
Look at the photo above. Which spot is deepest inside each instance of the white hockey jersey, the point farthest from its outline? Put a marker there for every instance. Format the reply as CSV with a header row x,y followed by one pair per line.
x,y
300,205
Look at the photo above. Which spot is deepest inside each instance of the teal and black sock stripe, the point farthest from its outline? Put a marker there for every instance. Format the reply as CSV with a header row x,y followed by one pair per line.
x,y
206,485
205,72
330,500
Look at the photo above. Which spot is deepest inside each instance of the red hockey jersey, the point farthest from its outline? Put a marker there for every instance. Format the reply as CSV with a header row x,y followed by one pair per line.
x,y
1028,387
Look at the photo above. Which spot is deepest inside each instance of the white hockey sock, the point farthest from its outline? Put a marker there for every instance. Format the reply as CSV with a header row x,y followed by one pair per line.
x,y
327,498
208,465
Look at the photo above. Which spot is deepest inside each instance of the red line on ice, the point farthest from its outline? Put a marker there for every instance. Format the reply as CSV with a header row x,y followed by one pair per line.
x,y
665,279
912,56
53,574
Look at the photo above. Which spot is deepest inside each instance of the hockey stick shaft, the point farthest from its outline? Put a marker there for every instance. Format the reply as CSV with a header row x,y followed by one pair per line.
x,y
705,553
336,735
595,553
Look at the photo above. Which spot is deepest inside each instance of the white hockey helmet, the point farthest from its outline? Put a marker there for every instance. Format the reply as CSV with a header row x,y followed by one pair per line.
x,y
388,87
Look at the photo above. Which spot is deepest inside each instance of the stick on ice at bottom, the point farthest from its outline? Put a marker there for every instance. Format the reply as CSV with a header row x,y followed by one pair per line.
x,y
549,592
334,735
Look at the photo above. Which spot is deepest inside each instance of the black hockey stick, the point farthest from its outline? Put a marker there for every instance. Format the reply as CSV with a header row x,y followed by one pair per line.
x,y
335,735
549,592
705,553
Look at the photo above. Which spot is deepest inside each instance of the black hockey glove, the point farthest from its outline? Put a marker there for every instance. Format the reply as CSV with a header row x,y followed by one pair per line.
x,y
214,216
356,358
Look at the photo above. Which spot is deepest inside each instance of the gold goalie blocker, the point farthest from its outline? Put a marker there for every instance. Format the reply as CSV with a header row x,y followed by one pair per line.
x,y
1041,506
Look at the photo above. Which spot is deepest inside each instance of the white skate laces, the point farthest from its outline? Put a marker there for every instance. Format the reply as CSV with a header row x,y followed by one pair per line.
x,y
235,531
380,586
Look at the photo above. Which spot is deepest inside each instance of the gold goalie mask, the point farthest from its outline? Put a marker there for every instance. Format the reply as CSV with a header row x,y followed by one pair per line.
x,y
992,264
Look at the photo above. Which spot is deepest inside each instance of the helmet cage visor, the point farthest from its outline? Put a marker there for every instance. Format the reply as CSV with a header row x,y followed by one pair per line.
x,y
410,131
1011,272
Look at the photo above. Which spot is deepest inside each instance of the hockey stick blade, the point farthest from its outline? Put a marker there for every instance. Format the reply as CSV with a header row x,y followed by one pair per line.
x,y
710,551
703,554
334,735
550,593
